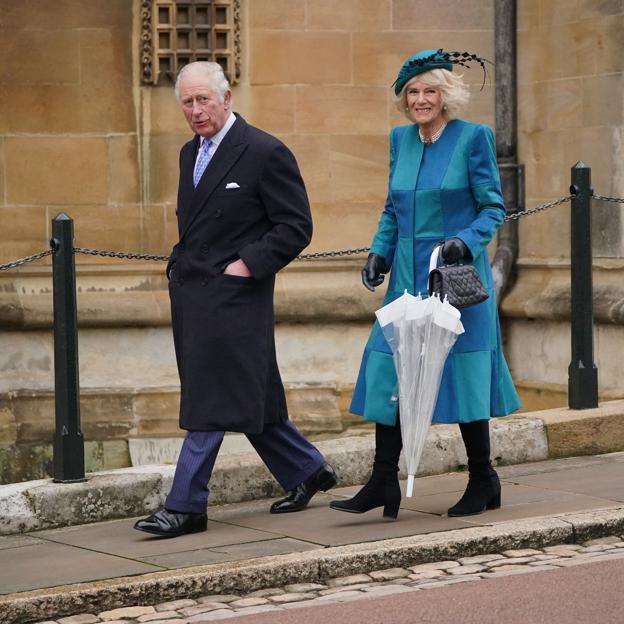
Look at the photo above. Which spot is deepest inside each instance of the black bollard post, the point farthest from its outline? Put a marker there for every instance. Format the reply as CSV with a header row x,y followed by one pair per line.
x,y
582,372
68,441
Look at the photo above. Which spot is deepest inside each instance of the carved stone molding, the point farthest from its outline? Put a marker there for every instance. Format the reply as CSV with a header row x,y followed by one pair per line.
x,y
146,42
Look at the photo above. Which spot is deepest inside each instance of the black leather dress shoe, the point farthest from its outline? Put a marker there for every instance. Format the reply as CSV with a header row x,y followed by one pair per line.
x,y
172,524
297,499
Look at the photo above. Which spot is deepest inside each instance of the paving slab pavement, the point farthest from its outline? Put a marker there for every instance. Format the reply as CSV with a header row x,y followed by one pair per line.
x,y
110,564
241,476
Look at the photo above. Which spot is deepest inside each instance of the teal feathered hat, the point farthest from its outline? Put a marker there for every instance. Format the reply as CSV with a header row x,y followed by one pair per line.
x,y
426,60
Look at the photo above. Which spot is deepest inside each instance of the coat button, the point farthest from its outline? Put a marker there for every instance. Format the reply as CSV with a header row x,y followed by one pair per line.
x,y
204,248
218,213
204,282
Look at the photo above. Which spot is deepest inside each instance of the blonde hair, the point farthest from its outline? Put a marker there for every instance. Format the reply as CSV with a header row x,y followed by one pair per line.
x,y
454,91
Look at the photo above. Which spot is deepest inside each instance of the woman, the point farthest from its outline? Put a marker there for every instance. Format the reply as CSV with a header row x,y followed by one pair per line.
x,y
444,186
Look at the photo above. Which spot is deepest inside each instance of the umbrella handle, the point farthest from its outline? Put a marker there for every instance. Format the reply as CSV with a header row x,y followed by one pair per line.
x,y
433,261
410,486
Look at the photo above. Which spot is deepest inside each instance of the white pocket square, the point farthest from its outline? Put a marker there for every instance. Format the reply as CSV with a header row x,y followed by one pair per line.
x,y
231,185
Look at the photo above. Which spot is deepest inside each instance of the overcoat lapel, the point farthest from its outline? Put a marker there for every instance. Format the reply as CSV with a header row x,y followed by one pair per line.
x,y
408,164
228,152
187,166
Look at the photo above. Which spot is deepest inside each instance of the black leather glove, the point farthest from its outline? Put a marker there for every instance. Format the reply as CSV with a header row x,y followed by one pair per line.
x,y
454,250
372,273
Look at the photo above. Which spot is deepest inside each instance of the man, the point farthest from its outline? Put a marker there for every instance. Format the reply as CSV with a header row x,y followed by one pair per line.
x,y
243,214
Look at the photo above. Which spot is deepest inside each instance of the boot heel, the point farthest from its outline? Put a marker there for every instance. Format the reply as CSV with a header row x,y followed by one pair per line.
x,y
391,510
495,502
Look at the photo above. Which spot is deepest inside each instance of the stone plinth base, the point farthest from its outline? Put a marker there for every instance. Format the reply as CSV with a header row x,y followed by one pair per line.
x,y
112,417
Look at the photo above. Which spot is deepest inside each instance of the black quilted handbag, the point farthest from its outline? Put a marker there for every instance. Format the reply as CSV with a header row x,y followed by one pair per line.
x,y
460,283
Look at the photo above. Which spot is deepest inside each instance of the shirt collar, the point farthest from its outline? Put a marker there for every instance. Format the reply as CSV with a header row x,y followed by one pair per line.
x,y
217,138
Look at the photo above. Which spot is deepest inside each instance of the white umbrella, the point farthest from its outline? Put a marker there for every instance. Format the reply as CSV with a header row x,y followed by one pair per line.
x,y
440,330
420,333
394,328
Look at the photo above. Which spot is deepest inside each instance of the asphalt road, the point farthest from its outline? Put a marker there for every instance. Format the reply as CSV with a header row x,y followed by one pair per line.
x,y
592,593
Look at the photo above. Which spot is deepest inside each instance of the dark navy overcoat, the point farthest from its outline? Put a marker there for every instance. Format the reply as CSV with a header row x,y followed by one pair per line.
x,y
250,203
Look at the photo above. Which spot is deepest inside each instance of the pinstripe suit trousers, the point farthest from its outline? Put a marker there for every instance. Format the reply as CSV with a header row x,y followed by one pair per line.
x,y
290,458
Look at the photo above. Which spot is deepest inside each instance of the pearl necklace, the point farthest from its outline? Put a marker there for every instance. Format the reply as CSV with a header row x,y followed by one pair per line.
x,y
434,137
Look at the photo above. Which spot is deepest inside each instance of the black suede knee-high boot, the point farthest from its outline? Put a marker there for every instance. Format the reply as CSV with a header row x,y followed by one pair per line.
x,y
382,489
484,490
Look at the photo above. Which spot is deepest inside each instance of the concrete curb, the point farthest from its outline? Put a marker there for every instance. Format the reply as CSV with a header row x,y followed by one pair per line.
x,y
311,566
129,492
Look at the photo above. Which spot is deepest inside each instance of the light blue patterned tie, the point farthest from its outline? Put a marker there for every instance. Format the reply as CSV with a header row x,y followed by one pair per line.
x,y
202,161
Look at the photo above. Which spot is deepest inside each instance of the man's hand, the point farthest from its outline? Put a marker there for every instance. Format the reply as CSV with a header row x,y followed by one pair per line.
x,y
239,268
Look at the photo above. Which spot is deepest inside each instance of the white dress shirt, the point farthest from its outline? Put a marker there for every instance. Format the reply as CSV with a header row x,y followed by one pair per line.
x,y
217,138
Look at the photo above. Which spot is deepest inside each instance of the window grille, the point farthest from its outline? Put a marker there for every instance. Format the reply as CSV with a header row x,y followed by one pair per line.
x,y
177,32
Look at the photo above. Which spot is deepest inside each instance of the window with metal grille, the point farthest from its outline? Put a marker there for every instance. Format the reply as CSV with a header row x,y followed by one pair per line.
x,y
177,32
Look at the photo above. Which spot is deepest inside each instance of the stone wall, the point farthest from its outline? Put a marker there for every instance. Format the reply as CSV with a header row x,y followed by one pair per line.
x,y
570,108
68,128
79,133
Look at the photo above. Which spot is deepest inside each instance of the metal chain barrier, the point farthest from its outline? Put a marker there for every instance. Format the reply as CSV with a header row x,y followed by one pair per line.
x,y
26,260
308,256
333,254
616,200
541,208
120,254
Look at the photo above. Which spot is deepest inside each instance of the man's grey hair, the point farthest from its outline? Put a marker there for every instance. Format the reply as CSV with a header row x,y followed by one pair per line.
x,y
212,71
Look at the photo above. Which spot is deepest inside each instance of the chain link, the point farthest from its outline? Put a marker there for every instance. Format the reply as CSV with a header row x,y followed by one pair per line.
x,y
309,256
22,261
332,254
541,208
120,254
616,200
139,256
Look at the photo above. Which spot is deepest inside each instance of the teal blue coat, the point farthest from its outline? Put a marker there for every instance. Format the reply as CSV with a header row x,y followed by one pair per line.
x,y
450,188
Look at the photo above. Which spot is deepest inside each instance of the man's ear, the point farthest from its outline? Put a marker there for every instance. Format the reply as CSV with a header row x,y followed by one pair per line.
x,y
227,100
